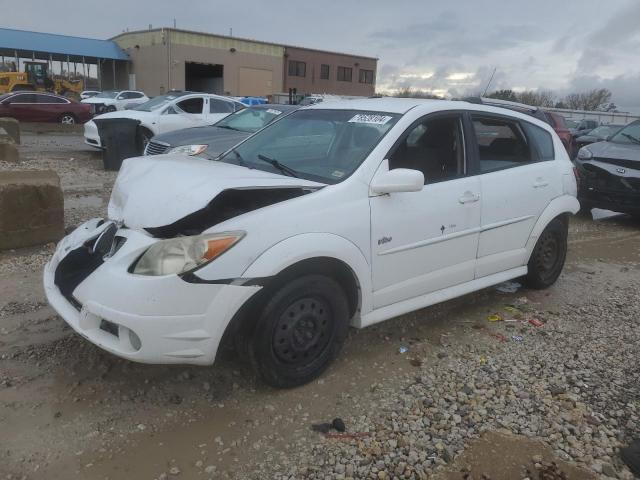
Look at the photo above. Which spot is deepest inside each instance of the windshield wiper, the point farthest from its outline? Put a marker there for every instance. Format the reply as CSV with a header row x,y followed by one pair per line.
x,y
227,127
632,138
240,159
280,166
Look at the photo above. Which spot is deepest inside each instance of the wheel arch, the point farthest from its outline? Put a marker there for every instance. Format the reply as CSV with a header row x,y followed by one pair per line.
x,y
564,205
339,259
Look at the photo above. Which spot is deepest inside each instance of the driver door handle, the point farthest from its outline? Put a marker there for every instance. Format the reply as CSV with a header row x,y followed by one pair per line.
x,y
469,197
540,182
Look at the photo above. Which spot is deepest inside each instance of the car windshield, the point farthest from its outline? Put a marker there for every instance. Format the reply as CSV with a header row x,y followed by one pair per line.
x,y
109,94
318,144
629,134
155,103
603,131
571,123
249,120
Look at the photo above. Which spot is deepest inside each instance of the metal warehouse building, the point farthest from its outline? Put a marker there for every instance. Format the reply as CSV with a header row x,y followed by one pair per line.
x,y
167,58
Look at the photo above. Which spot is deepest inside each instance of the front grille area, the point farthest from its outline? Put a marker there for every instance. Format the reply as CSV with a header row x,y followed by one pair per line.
x,y
628,164
78,264
156,148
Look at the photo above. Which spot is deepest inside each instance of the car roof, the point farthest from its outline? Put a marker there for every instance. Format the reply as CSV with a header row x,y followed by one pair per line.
x,y
381,104
276,106
426,106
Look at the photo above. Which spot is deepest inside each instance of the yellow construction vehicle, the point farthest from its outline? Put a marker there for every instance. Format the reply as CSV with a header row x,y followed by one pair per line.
x,y
36,78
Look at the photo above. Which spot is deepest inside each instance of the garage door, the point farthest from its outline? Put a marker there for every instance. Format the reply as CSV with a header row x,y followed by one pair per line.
x,y
255,82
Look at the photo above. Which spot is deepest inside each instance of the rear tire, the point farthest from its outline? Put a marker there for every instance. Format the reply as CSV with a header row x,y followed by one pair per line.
x,y
549,254
300,331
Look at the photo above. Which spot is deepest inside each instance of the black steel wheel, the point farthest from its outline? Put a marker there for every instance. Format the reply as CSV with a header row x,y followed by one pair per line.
x,y
300,331
549,254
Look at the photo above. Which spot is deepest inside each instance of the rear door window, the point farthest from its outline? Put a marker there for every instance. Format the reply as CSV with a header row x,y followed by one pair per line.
x,y
540,141
501,143
49,99
191,105
220,106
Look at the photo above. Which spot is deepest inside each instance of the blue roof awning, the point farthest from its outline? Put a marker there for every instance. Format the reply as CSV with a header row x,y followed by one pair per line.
x,y
42,45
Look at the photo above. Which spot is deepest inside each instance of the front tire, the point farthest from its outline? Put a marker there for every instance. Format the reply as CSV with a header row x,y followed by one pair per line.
x,y
549,254
110,108
300,331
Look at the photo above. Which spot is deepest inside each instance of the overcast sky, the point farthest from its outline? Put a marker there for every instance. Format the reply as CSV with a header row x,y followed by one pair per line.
x,y
449,47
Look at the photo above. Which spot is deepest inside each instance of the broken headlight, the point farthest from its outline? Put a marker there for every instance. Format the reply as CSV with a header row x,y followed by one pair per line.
x,y
184,254
585,154
189,149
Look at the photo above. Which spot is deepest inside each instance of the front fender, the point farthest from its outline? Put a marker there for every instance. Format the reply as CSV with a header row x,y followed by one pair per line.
x,y
295,249
558,206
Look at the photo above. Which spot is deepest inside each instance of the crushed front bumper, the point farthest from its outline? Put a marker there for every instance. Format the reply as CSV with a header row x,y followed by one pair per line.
x,y
609,186
146,319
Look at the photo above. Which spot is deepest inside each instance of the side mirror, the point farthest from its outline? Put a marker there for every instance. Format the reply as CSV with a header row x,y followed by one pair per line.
x,y
398,180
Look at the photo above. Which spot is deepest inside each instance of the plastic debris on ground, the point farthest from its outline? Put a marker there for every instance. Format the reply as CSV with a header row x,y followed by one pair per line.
x,y
403,349
495,317
535,322
508,287
336,424
499,336
516,312
416,362
517,338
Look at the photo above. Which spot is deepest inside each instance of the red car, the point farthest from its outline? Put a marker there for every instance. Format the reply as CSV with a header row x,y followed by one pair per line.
x,y
560,126
43,107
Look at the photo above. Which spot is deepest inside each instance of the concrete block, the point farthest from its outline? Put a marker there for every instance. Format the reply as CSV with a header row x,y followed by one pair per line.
x,y
8,151
31,208
12,127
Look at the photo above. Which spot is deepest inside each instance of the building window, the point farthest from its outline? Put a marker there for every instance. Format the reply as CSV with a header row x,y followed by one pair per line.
x,y
297,69
366,76
324,72
344,74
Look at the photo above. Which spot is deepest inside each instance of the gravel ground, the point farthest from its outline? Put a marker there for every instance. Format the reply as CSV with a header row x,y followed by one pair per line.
x,y
572,382
468,399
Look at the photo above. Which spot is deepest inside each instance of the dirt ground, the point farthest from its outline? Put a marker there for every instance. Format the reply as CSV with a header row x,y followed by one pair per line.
x,y
69,410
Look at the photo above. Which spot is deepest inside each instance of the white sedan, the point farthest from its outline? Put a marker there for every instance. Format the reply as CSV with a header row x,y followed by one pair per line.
x,y
110,101
166,113
339,214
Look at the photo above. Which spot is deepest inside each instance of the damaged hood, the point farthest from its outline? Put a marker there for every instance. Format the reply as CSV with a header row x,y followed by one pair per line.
x,y
134,114
620,151
155,191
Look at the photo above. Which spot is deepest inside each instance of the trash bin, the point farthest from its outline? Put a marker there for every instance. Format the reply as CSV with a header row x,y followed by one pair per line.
x,y
120,140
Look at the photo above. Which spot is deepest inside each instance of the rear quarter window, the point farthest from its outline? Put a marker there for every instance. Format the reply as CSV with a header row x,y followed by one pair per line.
x,y
540,140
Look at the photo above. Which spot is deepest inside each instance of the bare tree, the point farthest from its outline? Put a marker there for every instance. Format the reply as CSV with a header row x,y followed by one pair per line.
x,y
409,92
537,98
504,95
596,99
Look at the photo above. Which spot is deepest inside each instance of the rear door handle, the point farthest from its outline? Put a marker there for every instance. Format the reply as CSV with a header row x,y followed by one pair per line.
x,y
540,183
469,197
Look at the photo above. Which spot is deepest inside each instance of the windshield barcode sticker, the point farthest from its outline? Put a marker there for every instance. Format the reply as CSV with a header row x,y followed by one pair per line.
x,y
273,111
370,118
